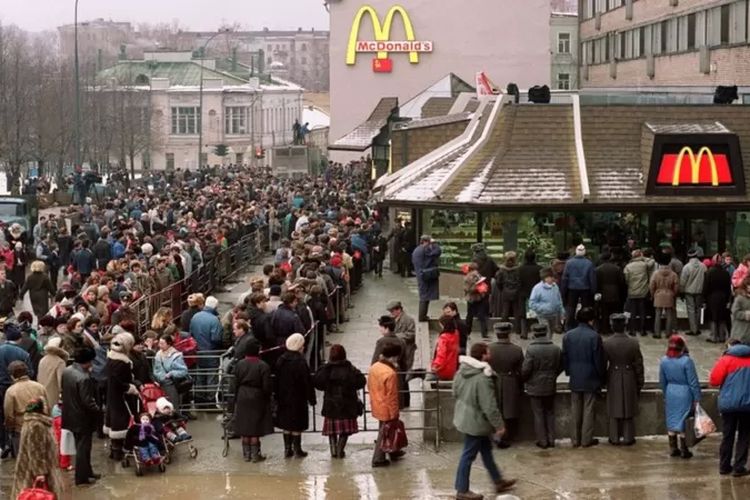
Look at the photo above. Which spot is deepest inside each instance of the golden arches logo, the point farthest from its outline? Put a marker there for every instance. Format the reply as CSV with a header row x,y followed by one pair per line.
x,y
383,34
695,165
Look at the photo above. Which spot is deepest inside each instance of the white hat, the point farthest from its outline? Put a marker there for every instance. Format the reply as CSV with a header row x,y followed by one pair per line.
x,y
212,302
580,250
162,404
123,342
54,342
147,249
295,342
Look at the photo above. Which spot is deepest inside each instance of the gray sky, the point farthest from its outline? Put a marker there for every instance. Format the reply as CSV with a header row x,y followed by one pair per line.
x,y
37,15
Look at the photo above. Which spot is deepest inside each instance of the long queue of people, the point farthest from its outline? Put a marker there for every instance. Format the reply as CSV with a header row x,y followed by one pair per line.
x,y
81,342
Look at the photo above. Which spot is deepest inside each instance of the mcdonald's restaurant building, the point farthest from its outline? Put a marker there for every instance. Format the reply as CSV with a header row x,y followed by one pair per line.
x,y
552,176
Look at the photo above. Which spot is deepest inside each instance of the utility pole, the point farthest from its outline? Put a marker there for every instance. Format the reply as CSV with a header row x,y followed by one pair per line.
x,y
200,95
78,92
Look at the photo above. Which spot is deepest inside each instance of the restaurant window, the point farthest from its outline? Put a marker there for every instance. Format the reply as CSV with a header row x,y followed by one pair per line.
x,y
544,232
455,231
738,234
616,233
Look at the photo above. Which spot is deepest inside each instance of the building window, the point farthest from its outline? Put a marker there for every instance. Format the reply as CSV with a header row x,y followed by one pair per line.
x,y
563,81
725,24
235,120
170,161
641,41
663,36
304,47
185,120
691,31
563,43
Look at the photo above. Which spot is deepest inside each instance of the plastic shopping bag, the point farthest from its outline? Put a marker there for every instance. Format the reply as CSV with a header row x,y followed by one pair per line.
x,y
703,424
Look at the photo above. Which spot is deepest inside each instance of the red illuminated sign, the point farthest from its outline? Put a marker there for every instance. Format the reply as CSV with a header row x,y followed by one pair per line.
x,y
688,168
382,65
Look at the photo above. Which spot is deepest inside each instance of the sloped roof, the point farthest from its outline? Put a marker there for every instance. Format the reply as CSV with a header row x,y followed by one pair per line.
x,y
186,73
432,122
361,137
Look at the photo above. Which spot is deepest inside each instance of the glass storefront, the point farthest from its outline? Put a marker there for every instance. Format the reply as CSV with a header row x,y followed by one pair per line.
x,y
456,231
738,234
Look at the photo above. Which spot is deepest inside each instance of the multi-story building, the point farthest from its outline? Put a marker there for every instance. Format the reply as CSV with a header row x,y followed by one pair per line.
x,y
657,43
98,40
241,114
564,49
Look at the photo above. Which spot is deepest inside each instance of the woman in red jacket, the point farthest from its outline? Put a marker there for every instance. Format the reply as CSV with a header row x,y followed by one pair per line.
x,y
445,362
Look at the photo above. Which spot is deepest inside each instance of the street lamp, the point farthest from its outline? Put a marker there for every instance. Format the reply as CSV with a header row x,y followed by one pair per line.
x,y
200,95
78,92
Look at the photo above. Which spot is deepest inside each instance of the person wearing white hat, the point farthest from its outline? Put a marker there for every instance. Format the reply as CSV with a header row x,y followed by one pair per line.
x,y
578,284
294,390
120,387
206,329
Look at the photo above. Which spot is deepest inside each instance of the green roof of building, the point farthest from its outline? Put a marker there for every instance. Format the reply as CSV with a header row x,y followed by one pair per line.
x,y
179,73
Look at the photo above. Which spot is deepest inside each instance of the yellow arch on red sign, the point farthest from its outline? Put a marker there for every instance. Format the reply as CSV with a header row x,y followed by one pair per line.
x,y
695,165
382,31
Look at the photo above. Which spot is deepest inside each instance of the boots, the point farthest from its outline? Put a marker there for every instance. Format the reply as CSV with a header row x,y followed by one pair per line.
x,y
333,442
297,445
255,455
288,453
341,445
684,450
115,451
673,450
246,451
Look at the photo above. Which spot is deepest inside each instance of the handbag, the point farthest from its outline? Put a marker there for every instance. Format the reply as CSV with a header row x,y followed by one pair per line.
x,y
38,491
698,426
394,437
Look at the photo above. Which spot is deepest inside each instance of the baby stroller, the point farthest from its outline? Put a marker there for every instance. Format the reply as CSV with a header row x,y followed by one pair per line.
x,y
150,395
144,444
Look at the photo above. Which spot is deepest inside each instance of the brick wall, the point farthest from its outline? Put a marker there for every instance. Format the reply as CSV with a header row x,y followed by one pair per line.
x,y
408,146
732,68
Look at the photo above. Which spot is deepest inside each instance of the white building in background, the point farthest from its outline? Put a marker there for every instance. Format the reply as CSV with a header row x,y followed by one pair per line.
x,y
243,111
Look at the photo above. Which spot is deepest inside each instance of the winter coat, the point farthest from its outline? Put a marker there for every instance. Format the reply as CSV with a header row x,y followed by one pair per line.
x,y
205,328
476,412
583,359
102,253
170,363
253,392
294,392
445,362
142,368
541,367
38,456
486,265
17,398
50,374
385,340
692,277
546,301
84,262
10,352
610,282
473,287
739,275
340,382
529,275
717,291
506,360
681,389
624,375
187,317
427,258
382,385
406,330
579,274
664,286
40,290
284,322
80,411
732,374
119,371
8,297
637,274
741,319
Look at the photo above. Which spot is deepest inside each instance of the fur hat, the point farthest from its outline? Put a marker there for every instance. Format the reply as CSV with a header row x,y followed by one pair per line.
x,y
295,342
212,302
580,250
163,404
123,342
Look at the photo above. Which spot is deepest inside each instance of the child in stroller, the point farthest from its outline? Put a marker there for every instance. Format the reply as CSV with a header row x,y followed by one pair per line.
x,y
145,442
171,422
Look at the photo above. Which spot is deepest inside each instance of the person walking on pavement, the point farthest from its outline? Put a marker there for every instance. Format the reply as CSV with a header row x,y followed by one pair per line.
x,y
406,330
625,378
477,417
583,359
382,385
691,284
477,292
387,336
426,259
529,274
611,287
578,284
541,367
637,274
717,294
664,287
80,411
732,374
546,302
506,359
682,392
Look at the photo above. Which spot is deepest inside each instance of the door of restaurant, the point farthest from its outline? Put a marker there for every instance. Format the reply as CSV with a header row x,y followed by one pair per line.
x,y
685,230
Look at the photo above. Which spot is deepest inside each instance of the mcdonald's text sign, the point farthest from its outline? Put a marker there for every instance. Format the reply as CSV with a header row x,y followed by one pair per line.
x,y
694,168
384,45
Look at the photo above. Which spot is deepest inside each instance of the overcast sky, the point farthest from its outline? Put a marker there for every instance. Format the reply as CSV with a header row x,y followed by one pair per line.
x,y
37,15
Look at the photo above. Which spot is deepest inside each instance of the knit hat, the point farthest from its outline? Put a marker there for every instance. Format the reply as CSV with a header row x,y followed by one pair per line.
x,y
538,330
580,250
123,342
163,404
12,332
295,342
212,302
503,330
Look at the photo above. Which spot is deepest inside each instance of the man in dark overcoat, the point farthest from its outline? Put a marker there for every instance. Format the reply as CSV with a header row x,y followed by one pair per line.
x,y
506,360
624,381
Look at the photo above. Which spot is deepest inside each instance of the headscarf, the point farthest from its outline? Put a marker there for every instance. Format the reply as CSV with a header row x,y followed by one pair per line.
x,y
676,347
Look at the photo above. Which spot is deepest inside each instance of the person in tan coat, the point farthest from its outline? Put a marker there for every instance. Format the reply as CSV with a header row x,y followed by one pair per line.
x,y
17,398
382,384
664,286
51,368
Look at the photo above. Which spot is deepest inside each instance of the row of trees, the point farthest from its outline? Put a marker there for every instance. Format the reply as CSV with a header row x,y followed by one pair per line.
x,y
38,109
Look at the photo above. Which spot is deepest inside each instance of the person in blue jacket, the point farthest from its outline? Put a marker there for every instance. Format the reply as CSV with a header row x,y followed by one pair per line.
x,y
546,302
206,329
682,392
578,283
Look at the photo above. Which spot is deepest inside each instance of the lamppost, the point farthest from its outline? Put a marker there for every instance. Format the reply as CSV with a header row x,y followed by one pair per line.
x,y
200,95
78,91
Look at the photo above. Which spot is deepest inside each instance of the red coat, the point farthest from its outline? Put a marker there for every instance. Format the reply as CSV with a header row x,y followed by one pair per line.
x,y
445,363
9,258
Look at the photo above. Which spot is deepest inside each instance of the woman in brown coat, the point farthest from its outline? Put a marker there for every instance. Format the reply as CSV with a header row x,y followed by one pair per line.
x,y
664,286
